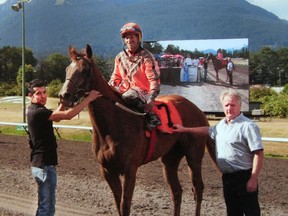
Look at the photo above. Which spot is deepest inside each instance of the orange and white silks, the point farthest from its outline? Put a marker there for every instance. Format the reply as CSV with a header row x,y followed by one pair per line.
x,y
136,71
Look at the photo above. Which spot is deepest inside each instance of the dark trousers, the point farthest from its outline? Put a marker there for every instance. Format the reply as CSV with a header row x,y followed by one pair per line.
x,y
238,201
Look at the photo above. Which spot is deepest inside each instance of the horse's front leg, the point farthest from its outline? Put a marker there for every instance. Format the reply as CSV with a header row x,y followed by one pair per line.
x,y
114,182
170,164
128,189
194,161
217,76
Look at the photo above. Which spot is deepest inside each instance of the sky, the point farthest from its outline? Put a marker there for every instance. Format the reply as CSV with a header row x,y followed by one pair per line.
x,y
201,45
277,7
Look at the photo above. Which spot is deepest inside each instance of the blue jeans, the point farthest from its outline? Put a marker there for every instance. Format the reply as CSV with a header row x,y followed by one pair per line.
x,y
46,179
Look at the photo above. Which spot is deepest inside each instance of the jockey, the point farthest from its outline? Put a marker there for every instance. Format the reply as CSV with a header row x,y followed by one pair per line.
x,y
136,73
219,54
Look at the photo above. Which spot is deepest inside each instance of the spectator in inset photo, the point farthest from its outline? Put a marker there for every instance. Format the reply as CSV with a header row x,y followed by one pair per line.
x,y
230,69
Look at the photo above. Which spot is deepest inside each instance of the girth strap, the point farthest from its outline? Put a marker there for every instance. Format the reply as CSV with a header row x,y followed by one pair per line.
x,y
151,146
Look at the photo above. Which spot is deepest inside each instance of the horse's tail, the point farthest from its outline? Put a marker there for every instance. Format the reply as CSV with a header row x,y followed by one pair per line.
x,y
210,144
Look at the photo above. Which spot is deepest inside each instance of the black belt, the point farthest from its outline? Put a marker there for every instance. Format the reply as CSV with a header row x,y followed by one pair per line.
x,y
238,173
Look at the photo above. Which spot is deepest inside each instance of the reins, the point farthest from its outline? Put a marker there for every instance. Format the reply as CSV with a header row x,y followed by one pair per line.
x,y
129,110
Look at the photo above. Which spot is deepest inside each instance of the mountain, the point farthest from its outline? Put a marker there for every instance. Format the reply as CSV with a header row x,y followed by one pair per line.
x,y
52,25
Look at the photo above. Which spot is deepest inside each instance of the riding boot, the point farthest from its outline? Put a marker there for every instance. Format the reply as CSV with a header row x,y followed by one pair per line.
x,y
152,121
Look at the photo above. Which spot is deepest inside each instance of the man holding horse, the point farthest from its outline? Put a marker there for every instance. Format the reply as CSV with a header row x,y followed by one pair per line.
x,y
239,155
136,73
230,69
43,143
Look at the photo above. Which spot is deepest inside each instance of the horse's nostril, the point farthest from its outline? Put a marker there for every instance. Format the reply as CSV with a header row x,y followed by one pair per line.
x,y
66,96
66,99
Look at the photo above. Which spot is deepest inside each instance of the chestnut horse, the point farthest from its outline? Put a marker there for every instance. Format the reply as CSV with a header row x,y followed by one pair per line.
x,y
119,141
218,65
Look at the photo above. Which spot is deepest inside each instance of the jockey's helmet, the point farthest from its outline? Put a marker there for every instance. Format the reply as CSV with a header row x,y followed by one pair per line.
x,y
131,28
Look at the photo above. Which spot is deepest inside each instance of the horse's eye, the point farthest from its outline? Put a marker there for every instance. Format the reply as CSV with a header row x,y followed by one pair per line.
x,y
85,66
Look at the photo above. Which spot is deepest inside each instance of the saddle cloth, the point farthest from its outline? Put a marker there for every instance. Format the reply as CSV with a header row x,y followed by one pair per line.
x,y
223,61
160,110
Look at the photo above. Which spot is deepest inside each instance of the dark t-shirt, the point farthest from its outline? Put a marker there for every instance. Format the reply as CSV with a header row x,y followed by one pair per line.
x,y
205,64
44,148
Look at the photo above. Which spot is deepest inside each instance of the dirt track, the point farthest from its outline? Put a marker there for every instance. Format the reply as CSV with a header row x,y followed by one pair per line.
x,y
82,190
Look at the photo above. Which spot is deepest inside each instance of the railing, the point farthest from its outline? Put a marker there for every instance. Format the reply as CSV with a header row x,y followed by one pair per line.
x,y
57,127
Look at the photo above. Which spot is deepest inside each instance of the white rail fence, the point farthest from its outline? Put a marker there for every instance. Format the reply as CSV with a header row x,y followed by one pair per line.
x,y
57,127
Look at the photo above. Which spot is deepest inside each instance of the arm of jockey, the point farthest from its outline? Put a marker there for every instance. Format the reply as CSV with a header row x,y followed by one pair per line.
x,y
153,75
116,77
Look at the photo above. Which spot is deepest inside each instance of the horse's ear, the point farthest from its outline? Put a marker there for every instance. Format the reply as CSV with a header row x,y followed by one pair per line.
x,y
89,51
72,52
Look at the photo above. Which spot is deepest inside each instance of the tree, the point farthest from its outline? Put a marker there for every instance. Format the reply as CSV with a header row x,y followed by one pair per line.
x,y
276,105
260,93
154,48
54,88
10,89
268,66
282,67
11,60
273,104
285,89
29,74
172,49
53,67
105,66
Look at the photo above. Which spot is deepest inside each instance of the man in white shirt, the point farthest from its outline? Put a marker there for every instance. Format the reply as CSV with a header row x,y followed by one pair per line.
x,y
239,155
230,69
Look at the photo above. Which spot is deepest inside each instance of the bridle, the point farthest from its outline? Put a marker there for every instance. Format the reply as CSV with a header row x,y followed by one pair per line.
x,y
81,91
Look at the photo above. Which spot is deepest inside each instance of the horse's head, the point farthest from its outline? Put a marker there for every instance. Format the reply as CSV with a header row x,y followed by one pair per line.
x,y
210,56
78,76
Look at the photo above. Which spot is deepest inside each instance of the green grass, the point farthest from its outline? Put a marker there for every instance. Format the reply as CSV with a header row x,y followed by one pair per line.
x,y
276,156
12,130
65,134
75,135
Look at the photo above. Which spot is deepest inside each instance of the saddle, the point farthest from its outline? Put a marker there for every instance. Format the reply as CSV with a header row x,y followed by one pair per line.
x,y
223,61
168,115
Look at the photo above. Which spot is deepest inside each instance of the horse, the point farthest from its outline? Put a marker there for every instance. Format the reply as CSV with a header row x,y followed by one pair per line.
x,y
119,139
218,64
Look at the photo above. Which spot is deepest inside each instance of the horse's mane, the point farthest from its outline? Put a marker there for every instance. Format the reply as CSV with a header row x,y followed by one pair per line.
x,y
100,84
211,56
